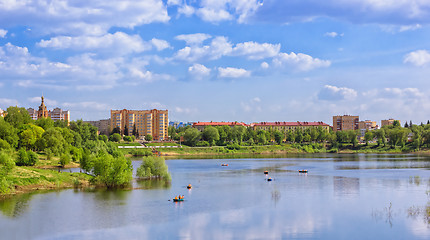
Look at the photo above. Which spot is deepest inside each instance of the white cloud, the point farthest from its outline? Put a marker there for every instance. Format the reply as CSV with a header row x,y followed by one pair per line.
x,y
186,10
193,39
82,17
333,34
410,27
160,44
184,110
118,42
300,61
418,58
213,15
220,46
255,50
199,71
221,10
264,65
230,72
3,33
333,93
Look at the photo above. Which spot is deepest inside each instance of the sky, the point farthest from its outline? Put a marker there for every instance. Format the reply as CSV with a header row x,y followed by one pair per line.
x,y
219,60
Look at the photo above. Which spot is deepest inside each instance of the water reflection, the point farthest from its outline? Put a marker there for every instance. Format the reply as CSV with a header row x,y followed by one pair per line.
x,y
346,186
153,184
15,206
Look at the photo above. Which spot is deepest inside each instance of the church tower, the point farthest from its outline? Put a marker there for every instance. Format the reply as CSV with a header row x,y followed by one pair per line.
x,y
42,112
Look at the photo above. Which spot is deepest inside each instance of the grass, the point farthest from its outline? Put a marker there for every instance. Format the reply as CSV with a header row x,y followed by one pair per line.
x,y
161,144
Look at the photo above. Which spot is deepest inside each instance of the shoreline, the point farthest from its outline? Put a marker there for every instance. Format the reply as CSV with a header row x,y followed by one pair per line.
x,y
81,180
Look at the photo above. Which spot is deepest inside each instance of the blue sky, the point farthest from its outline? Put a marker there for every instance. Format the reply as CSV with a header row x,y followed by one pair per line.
x,y
219,60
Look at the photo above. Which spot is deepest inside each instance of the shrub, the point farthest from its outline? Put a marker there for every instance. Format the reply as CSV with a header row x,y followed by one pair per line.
x,y
26,158
127,138
153,167
141,152
203,144
115,137
64,159
233,146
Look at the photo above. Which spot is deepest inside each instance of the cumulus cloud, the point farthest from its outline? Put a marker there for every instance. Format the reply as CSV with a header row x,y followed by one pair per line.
x,y
199,71
418,58
82,17
193,39
255,50
332,93
299,61
220,46
264,65
160,44
85,71
3,33
230,72
118,42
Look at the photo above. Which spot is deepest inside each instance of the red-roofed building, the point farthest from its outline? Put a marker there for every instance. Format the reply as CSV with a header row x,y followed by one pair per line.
x,y
201,125
285,126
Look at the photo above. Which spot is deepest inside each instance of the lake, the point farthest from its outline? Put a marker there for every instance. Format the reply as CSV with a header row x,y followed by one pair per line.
x,y
343,196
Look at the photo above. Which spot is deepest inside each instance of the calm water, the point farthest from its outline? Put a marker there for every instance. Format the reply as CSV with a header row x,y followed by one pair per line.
x,y
342,197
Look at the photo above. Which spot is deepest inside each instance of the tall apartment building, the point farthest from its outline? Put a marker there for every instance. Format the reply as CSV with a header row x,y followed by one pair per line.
x,y
388,122
56,114
345,122
154,122
103,125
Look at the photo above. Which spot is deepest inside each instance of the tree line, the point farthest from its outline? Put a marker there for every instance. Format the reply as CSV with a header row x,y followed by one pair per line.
x,y
413,136
22,137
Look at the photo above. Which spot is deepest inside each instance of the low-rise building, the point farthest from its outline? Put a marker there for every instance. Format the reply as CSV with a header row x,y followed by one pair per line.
x,y
388,122
103,125
201,125
1,112
286,126
180,124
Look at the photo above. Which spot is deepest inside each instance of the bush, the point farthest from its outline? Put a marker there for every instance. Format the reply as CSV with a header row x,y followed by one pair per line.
x,y
153,167
127,138
233,146
26,158
64,159
203,144
115,137
141,152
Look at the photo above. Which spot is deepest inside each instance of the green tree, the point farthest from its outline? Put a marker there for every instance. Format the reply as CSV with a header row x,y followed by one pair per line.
x,y
112,171
64,159
29,135
126,130
261,137
148,137
192,136
153,167
396,123
6,166
26,158
127,138
103,138
279,136
53,140
115,137
17,116
44,123
135,132
368,136
210,134
8,133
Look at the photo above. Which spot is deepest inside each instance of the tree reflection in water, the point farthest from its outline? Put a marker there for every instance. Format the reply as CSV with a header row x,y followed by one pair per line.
x,y
15,206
